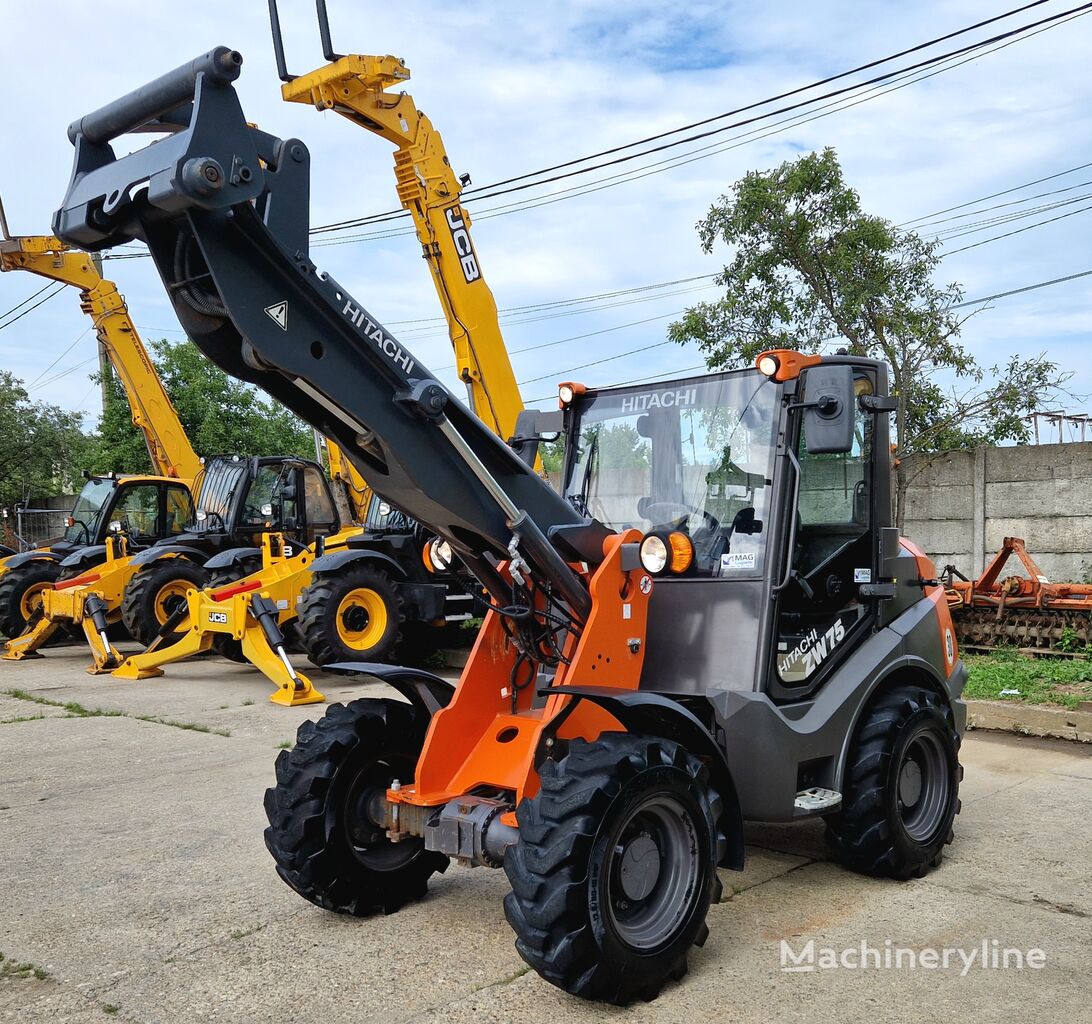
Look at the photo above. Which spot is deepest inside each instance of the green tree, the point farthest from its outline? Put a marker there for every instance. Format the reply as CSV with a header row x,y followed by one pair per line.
x,y
809,269
42,447
219,413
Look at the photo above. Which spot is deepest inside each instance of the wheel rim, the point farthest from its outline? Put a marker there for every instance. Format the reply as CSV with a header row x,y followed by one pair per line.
x,y
361,618
367,842
170,596
30,604
653,872
922,785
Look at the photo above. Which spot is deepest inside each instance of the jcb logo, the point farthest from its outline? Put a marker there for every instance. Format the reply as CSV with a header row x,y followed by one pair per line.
x,y
219,617
461,237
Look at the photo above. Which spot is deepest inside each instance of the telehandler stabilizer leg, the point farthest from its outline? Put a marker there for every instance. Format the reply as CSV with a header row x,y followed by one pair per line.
x,y
146,665
266,649
94,622
26,645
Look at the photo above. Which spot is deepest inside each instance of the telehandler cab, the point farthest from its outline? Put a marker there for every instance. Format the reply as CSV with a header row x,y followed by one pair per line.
x,y
714,622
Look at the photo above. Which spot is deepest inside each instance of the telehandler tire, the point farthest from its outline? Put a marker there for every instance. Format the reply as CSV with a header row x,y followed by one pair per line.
x,y
325,846
901,790
352,614
616,867
21,594
154,593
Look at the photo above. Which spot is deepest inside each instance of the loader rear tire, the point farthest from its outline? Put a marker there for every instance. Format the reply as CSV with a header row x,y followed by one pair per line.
x,y
901,790
154,593
615,867
325,846
352,614
21,594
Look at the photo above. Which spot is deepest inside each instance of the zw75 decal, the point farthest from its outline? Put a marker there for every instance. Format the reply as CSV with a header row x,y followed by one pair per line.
x,y
463,246
810,652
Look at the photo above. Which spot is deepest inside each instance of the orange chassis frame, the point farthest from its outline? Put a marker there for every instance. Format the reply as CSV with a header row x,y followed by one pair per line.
x,y
477,740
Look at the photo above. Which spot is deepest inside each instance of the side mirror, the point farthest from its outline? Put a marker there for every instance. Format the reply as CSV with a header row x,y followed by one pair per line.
x,y
288,491
828,409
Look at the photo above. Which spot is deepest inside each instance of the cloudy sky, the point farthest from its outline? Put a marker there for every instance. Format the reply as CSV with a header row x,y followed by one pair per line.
x,y
515,88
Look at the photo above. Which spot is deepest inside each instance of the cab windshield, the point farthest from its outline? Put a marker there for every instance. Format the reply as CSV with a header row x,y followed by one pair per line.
x,y
218,488
695,456
87,512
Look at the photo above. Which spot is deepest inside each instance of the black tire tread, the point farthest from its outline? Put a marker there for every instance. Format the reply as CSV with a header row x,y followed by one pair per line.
x,y
859,833
140,591
295,808
13,583
316,629
547,868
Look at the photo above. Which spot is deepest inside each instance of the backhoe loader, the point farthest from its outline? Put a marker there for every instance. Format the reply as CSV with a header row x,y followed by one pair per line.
x,y
151,507
715,621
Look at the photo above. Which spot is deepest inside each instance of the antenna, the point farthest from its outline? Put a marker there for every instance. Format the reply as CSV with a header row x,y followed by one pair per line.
x,y
6,236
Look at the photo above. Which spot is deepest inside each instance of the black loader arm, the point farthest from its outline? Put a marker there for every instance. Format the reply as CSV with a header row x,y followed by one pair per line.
x,y
223,208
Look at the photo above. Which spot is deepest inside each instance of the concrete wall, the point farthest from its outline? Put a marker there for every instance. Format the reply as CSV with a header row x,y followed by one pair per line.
x,y
963,504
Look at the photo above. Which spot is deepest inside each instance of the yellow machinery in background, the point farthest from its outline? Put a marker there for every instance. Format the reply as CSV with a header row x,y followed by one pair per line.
x,y
147,507
237,618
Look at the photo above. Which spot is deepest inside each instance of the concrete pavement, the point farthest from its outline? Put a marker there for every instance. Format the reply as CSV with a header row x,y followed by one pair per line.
x,y
135,875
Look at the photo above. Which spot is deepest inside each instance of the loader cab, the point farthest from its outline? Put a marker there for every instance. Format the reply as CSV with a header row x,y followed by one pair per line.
x,y
147,509
765,539
247,497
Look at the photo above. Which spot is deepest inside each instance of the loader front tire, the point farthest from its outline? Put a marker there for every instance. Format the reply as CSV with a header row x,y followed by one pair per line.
x,y
352,614
21,594
325,846
154,593
901,790
615,867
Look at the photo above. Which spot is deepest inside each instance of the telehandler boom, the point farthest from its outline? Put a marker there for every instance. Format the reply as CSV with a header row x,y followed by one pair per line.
x,y
161,503
715,620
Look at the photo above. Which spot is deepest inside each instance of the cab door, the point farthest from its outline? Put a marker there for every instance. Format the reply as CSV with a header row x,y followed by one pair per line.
x,y
829,553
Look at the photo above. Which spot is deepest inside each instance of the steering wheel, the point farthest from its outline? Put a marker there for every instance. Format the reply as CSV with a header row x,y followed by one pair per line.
x,y
712,522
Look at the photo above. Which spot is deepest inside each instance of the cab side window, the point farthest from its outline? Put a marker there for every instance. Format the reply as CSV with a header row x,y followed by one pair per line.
x,y
321,514
179,510
137,509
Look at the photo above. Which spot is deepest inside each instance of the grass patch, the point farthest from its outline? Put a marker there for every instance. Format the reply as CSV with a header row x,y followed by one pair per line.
x,y
76,710
284,745
111,1008
13,969
247,702
1061,682
242,933
21,718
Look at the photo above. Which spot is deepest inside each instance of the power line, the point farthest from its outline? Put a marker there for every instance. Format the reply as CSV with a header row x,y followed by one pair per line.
x,y
903,77
29,298
560,374
491,189
30,309
995,195
1009,234
79,337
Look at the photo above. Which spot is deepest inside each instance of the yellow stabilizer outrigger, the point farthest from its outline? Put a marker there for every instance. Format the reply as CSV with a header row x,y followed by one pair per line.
x,y
250,610
91,601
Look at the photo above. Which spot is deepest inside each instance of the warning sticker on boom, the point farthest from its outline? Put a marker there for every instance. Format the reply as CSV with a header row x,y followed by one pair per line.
x,y
278,313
